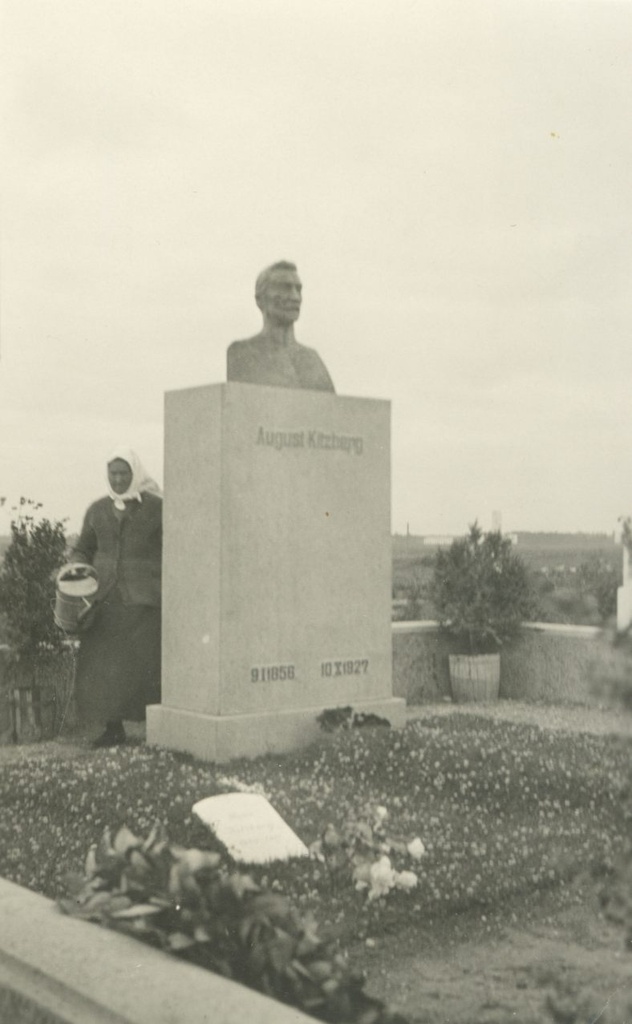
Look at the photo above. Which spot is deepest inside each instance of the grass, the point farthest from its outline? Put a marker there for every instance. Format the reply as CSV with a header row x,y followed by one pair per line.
x,y
503,810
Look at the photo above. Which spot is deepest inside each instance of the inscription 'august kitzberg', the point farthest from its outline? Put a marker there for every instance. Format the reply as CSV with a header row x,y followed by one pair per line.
x,y
316,440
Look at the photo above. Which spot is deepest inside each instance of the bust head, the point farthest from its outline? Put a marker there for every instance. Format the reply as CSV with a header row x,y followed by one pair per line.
x,y
278,293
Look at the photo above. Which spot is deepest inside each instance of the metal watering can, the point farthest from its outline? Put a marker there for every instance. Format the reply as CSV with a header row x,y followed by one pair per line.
x,y
75,583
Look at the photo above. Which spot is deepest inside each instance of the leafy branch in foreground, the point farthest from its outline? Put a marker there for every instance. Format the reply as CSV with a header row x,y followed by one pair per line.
x,y
190,903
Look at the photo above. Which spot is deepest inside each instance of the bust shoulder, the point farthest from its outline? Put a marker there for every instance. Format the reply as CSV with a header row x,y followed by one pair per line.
x,y
259,342
247,344
244,348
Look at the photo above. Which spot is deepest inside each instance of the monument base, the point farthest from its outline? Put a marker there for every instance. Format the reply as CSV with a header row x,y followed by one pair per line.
x,y
221,738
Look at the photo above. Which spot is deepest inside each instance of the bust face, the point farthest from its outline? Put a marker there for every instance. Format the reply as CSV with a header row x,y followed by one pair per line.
x,y
281,301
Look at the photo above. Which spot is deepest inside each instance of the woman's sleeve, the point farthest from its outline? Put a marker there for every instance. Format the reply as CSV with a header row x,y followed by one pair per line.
x,y
86,547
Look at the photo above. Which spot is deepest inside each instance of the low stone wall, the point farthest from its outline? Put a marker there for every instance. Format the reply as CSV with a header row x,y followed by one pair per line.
x,y
548,662
59,970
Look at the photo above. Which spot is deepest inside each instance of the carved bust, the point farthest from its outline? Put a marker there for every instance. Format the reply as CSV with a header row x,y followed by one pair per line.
x,y
274,357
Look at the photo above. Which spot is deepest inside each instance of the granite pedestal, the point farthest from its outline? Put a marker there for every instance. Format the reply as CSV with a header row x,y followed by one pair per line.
x,y
277,567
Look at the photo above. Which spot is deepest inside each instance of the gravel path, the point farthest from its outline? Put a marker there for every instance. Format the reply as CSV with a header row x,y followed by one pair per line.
x,y
562,717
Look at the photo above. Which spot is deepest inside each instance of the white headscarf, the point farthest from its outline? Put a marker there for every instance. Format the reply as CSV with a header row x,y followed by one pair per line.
x,y
141,480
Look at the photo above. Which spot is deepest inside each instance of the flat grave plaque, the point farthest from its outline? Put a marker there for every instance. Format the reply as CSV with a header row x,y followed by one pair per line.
x,y
250,828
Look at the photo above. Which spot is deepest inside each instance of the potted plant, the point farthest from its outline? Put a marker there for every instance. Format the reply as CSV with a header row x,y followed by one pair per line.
x,y
482,593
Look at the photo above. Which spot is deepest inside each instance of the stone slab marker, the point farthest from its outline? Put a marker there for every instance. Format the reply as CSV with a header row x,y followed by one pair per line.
x,y
250,828
277,567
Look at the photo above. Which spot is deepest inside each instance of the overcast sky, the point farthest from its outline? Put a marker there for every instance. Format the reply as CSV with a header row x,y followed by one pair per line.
x,y
454,180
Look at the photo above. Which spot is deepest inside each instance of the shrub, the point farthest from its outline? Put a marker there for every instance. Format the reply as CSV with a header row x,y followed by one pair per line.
x,y
482,590
27,587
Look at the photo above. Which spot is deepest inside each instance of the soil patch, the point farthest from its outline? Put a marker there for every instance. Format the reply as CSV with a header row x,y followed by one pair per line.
x,y
504,967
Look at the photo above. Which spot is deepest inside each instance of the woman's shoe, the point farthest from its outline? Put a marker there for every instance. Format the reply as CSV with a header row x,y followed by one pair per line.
x,y
112,736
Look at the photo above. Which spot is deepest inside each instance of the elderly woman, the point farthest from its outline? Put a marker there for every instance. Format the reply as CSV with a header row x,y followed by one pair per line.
x,y
118,665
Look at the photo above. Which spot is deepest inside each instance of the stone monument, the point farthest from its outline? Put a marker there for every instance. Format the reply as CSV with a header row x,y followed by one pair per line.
x,y
277,550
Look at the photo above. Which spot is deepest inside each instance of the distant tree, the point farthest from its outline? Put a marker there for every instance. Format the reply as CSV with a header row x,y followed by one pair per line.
x,y
597,576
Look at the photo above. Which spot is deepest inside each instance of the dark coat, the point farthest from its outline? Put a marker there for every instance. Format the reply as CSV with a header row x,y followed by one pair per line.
x,y
126,551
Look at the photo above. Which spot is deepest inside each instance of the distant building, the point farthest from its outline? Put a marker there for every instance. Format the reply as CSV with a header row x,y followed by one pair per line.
x,y
444,542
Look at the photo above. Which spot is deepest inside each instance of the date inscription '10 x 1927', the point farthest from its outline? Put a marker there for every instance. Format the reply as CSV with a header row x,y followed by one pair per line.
x,y
349,667
328,670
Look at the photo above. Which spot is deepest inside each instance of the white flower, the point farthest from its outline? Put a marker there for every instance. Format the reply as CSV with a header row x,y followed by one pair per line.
x,y
406,880
416,848
316,850
382,878
362,874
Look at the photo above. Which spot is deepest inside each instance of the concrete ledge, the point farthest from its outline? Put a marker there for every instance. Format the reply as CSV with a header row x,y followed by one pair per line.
x,y
221,738
559,628
423,626
58,970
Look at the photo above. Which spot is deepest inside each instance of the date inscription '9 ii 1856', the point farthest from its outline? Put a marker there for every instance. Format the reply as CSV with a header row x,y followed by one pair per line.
x,y
271,673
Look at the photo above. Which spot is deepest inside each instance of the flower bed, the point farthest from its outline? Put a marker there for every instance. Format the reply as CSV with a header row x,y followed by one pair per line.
x,y
501,809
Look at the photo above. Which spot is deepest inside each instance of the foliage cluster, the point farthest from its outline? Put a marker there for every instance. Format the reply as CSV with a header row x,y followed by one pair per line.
x,y
481,590
360,851
193,904
332,719
27,587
